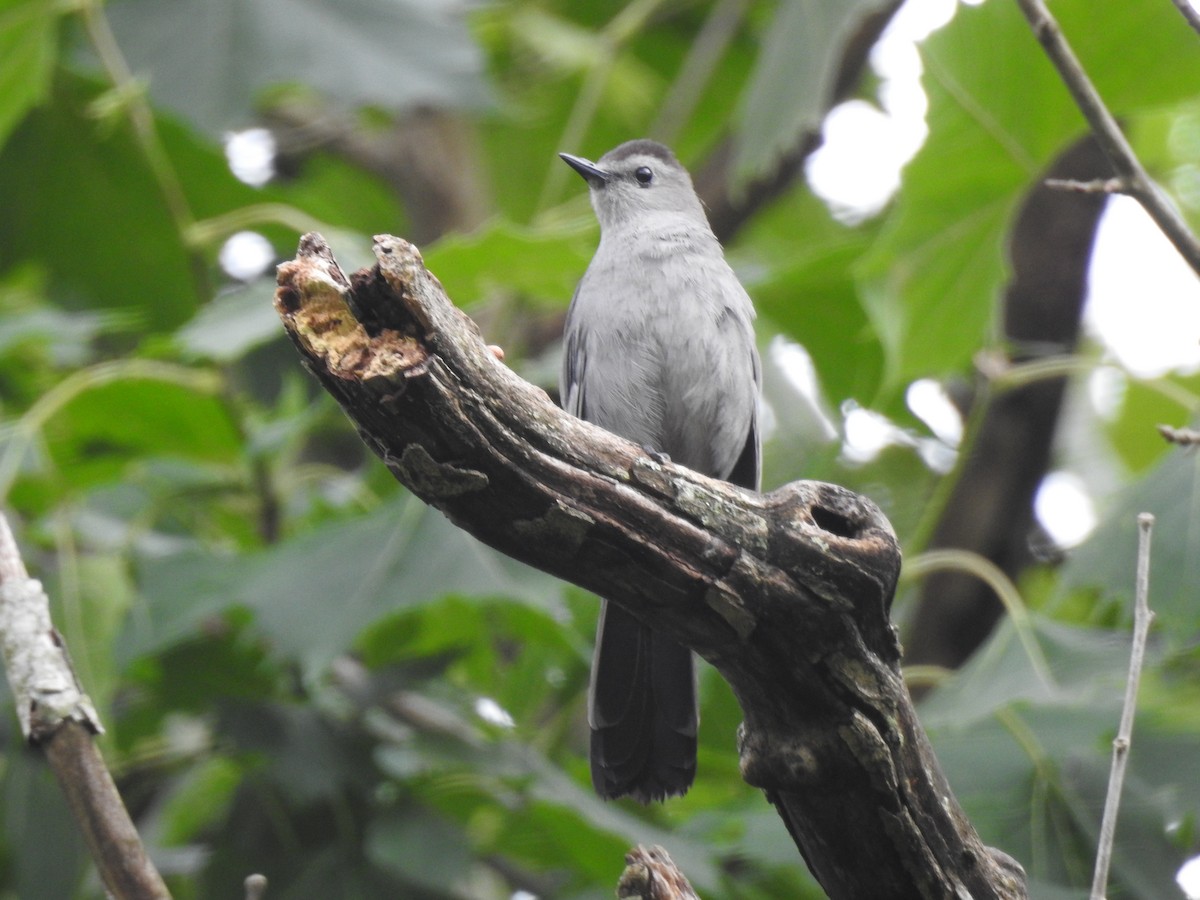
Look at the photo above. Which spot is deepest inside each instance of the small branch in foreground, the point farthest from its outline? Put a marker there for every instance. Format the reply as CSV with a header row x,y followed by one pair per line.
x,y
256,887
1189,12
652,875
1184,437
1142,617
1108,133
57,716
1096,186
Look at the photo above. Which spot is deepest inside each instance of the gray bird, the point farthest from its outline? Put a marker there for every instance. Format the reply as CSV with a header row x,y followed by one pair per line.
x,y
659,349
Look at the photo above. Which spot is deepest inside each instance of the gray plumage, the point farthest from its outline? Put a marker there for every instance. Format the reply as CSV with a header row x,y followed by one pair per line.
x,y
659,348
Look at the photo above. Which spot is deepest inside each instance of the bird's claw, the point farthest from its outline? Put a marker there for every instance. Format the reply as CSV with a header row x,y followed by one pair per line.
x,y
657,455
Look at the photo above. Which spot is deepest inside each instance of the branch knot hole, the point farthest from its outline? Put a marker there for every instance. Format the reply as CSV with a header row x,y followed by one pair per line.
x,y
836,523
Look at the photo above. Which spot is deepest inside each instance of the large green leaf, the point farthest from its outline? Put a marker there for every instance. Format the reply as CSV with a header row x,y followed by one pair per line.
x,y
233,323
28,47
793,82
1106,563
796,261
101,431
95,218
1039,735
211,60
314,594
998,113
502,257
118,247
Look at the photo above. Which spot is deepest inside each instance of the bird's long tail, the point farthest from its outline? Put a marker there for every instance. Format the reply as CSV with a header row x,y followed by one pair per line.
x,y
642,711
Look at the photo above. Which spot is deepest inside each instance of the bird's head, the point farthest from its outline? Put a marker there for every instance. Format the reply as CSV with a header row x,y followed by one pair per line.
x,y
635,181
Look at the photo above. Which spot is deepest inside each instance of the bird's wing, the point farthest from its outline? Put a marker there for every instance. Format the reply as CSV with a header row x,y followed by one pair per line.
x,y
574,365
747,471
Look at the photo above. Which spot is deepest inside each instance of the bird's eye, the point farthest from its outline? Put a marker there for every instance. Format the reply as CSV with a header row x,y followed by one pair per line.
x,y
643,175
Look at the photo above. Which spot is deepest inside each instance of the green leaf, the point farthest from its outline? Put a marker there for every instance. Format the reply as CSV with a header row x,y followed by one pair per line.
x,y
794,79
99,432
1107,562
314,594
1133,434
807,290
479,634
28,48
422,849
233,323
119,248
1073,666
998,114
66,337
211,60
199,800
538,265
123,246
1002,729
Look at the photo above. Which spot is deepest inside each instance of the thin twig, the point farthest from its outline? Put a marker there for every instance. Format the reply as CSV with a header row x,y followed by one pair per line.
x,y
954,560
1097,186
1108,132
1184,437
1142,617
256,887
140,115
45,690
1189,12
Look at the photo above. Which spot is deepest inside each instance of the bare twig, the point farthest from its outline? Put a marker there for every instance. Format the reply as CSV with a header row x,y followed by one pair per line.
x,y
1189,13
256,887
1142,617
57,716
1096,186
1184,437
1108,133
140,114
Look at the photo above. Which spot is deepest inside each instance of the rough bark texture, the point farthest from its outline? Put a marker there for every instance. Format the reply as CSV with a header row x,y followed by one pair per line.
x,y
785,593
651,875
990,510
111,837
57,717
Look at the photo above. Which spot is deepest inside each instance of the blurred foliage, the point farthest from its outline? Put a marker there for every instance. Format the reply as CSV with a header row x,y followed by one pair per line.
x,y
304,672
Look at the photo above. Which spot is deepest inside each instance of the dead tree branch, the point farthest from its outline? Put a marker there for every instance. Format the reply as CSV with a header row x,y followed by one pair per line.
x,y
652,875
786,594
57,716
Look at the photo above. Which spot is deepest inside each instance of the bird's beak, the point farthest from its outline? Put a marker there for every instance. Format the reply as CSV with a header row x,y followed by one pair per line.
x,y
592,174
